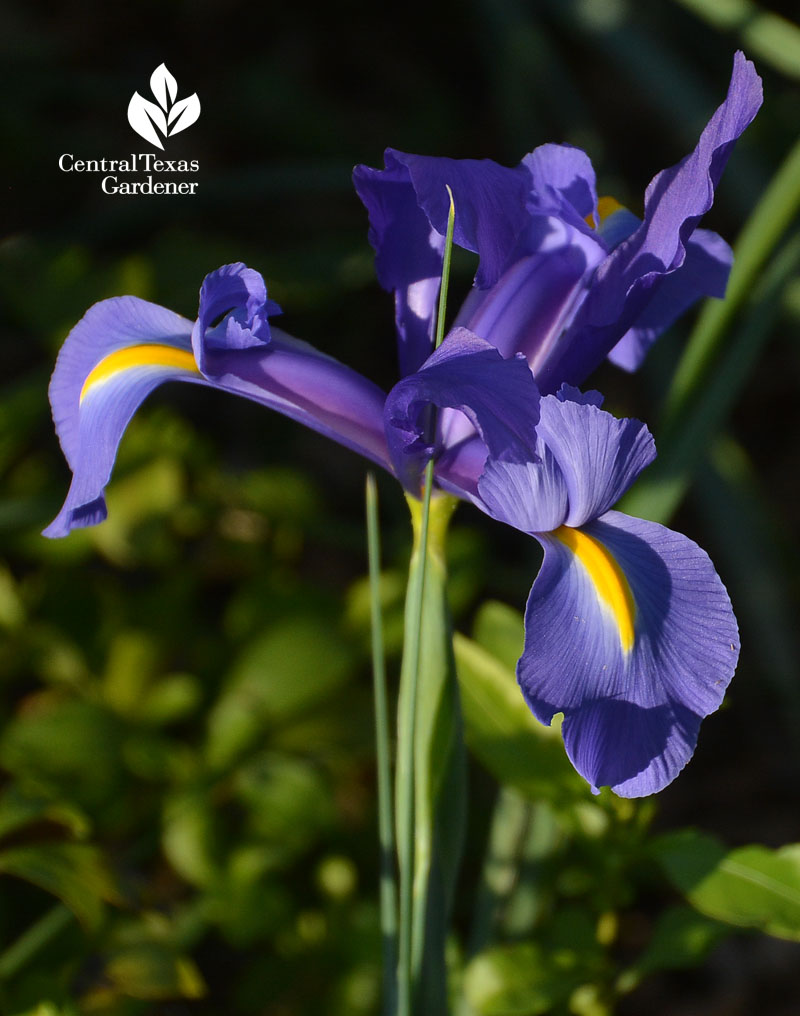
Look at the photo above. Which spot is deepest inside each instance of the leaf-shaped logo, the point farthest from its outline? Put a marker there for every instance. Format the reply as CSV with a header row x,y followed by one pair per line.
x,y
154,122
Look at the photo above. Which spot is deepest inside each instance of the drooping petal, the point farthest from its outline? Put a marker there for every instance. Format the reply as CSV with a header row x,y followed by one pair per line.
x,y
630,633
122,323
586,460
124,348
704,273
114,357
675,201
466,373
408,254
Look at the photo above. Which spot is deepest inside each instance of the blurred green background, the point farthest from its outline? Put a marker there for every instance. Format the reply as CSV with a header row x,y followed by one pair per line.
x,y
187,807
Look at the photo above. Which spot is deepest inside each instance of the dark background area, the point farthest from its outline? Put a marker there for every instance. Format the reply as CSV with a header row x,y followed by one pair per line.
x,y
236,536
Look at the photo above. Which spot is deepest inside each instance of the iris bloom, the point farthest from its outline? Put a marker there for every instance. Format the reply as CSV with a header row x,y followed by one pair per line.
x,y
629,631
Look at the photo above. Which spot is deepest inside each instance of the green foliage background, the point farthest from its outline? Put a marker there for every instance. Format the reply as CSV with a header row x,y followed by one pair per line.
x,y
187,813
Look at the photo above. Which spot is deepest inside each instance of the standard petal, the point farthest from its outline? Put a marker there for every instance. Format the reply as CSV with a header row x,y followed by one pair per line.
x,y
563,178
489,201
535,300
630,633
585,461
599,455
675,201
530,496
498,396
408,255
704,273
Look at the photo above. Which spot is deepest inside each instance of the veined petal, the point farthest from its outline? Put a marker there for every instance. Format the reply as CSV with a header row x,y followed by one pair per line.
x,y
599,455
586,460
466,373
675,201
630,633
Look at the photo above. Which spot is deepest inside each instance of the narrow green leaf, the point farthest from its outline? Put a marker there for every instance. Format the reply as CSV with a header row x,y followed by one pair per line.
x,y
438,762
430,767
388,886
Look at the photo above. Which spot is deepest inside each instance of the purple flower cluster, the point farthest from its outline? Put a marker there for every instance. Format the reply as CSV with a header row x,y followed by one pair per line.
x,y
628,630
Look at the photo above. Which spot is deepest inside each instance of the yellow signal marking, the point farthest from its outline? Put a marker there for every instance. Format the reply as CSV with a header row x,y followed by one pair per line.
x,y
151,354
608,579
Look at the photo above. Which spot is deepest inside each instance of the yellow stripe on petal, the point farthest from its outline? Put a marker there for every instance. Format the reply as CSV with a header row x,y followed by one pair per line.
x,y
607,578
151,354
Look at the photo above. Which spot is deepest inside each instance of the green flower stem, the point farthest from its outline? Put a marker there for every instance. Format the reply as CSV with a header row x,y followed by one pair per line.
x,y
388,887
429,738
429,765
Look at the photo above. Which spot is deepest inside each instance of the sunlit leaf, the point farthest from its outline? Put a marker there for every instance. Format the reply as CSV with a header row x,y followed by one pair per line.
x,y
504,734
753,887
522,979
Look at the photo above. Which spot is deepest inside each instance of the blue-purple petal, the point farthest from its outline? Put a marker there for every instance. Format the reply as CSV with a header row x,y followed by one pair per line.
x,y
531,306
704,273
237,294
466,373
105,328
408,255
124,348
599,455
675,201
563,180
91,425
586,460
631,716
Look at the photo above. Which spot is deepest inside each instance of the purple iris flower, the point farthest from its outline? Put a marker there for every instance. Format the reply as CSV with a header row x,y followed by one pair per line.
x,y
629,631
